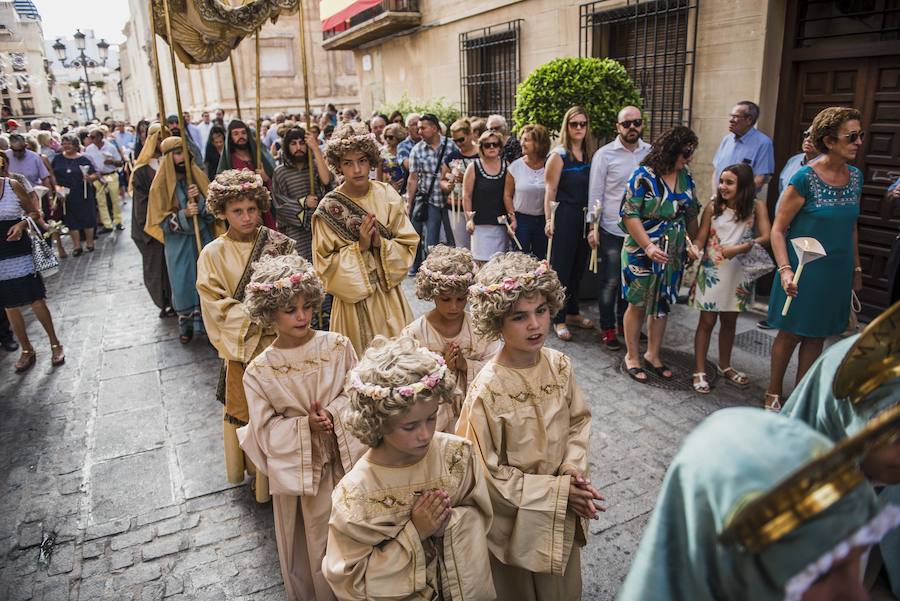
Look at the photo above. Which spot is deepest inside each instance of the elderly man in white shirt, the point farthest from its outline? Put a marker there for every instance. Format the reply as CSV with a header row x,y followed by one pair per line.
x,y
611,168
106,159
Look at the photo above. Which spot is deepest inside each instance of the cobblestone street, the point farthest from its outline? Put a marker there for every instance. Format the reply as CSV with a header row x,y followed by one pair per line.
x,y
114,485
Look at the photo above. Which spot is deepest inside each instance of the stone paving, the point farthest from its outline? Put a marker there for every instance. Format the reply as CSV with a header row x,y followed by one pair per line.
x,y
114,486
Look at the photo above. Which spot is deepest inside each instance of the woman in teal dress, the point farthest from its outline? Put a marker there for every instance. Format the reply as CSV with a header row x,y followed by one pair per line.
x,y
721,530
659,209
821,201
815,402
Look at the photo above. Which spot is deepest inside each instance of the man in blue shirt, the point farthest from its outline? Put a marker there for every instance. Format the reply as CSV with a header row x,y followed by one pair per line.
x,y
794,164
124,139
413,137
744,144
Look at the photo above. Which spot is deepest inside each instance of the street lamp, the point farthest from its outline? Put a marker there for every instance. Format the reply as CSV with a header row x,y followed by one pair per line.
x,y
83,61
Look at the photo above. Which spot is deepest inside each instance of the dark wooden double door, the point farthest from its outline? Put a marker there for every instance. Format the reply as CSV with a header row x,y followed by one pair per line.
x,y
872,85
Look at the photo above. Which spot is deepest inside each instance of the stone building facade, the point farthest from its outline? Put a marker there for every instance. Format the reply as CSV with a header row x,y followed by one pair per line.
x,y
24,81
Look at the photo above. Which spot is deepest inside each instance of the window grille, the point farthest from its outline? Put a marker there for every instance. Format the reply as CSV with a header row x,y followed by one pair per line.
x,y
27,106
489,69
655,41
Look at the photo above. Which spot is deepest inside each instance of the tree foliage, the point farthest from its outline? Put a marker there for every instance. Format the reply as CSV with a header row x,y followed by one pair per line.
x,y
600,85
441,107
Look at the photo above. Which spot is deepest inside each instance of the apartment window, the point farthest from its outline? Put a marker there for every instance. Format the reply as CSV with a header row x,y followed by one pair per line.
x,y
27,105
489,69
655,41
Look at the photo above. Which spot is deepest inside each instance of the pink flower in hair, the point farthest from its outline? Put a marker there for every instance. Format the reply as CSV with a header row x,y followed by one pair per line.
x,y
508,284
431,380
296,277
406,391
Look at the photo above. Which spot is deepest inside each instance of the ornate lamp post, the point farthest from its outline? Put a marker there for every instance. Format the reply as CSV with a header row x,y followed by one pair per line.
x,y
83,61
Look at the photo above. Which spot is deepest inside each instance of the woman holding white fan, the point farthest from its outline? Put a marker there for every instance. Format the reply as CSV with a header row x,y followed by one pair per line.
x,y
820,202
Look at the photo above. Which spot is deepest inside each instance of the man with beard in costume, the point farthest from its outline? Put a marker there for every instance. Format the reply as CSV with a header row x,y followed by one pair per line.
x,y
153,256
170,214
174,130
240,153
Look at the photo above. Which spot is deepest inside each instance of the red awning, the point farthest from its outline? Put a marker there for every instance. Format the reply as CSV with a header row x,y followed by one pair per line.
x,y
334,13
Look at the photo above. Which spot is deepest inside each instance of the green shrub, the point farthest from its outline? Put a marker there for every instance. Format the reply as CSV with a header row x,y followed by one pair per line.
x,y
443,108
600,85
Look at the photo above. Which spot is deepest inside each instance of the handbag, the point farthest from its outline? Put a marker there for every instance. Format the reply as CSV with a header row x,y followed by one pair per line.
x,y
420,203
755,263
45,260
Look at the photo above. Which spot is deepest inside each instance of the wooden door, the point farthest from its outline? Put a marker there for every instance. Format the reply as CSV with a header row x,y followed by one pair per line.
x,y
873,86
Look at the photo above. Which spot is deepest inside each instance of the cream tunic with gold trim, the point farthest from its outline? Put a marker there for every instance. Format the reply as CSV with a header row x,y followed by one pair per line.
x,y
374,550
368,299
529,426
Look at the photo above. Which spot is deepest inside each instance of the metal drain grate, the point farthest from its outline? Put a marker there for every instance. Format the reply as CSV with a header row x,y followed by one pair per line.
x,y
682,365
755,342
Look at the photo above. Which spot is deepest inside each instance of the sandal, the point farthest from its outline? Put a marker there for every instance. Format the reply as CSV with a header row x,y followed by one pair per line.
x,y
733,376
90,249
58,357
562,332
579,321
635,372
660,370
701,386
77,252
774,405
26,361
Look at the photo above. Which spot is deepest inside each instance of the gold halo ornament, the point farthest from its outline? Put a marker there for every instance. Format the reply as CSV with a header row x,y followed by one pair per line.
x,y
872,360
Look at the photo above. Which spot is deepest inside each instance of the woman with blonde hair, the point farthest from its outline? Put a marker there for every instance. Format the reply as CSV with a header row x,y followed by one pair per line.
x,y
567,177
483,199
390,168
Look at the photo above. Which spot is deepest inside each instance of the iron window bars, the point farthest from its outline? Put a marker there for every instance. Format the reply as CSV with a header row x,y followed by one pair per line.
x,y
489,69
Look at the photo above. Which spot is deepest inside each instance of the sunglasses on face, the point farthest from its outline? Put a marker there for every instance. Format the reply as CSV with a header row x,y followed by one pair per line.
x,y
577,124
806,134
459,140
853,136
629,122
389,137
487,145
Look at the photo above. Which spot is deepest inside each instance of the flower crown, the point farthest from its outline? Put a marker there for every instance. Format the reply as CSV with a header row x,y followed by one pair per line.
x,y
357,138
462,278
511,283
374,391
243,186
289,282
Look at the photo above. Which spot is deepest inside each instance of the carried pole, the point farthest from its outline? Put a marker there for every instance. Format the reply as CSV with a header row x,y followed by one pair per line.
x,y
185,150
160,99
309,153
237,99
258,115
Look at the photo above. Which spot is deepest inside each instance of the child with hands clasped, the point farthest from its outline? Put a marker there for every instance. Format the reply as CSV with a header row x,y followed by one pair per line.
x,y
531,426
444,278
722,289
297,434
410,520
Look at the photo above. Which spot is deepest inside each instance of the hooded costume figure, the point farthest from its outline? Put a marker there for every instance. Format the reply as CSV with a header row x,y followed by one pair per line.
x,y
229,160
815,402
757,507
168,224
153,258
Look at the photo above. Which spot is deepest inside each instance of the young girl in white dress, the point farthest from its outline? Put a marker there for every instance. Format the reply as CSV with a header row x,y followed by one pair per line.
x,y
444,278
721,290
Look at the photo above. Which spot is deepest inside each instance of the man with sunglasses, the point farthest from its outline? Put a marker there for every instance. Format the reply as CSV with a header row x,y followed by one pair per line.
x,y
744,144
793,164
512,149
611,167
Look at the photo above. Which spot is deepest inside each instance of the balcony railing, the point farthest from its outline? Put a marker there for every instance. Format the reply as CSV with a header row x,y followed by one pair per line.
x,y
388,17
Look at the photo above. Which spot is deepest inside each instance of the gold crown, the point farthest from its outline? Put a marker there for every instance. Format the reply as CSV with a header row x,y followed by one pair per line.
x,y
811,489
872,360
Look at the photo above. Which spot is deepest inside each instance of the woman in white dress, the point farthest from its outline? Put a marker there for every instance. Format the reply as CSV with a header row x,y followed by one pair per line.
x,y
721,291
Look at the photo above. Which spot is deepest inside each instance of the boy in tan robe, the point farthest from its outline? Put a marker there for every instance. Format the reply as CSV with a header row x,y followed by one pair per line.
x,y
363,242
410,520
531,427
296,435
223,272
444,278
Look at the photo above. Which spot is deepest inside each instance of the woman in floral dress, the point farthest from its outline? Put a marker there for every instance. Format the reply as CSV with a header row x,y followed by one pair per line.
x,y
721,291
659,209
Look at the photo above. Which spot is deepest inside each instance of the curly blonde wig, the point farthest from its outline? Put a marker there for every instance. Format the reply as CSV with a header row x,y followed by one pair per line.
x,y
828,124
447,270
275,282
351,137
236,184
388,381
504,280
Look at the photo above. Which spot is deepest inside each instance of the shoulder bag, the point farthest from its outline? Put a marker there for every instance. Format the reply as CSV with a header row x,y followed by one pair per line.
x,y
420,202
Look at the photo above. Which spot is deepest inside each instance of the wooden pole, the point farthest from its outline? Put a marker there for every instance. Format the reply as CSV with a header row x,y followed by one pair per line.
x,y
309,152
258,114
237,99
185,150
154,60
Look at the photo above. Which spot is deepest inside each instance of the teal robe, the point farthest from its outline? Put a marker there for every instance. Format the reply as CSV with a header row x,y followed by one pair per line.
x,y
814,403
181,251
729,459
